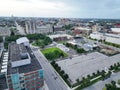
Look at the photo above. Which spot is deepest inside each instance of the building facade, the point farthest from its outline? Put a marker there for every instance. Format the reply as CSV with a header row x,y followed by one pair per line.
x,y
5,31
27,75
32,27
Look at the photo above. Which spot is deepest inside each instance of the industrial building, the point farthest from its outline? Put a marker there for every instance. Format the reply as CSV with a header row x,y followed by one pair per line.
x,y
112,38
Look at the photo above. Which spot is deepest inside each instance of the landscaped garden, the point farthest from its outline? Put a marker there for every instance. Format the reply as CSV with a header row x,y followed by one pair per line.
x,y
53,53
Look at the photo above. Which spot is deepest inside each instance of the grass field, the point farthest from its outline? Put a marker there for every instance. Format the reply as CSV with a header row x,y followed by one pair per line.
x,y
53,53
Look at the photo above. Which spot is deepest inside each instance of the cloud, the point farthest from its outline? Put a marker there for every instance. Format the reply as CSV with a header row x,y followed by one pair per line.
x,y
61,8
34,7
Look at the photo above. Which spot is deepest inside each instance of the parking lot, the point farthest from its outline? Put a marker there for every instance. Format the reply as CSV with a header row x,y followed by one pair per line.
x,y
83,65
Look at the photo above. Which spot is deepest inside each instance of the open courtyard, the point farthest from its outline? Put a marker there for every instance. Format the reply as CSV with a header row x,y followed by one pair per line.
x,y
83,65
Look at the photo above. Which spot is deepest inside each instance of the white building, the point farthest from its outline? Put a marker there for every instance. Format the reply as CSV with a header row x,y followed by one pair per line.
x,y
97,35
112,38
23,40
115,30
61,35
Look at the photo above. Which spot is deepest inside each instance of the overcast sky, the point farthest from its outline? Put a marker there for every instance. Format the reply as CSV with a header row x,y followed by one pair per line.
x,y
61,8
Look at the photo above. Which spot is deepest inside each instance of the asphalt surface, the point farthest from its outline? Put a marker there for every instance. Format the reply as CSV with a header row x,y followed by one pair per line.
x,y
53,81
81,66
99,85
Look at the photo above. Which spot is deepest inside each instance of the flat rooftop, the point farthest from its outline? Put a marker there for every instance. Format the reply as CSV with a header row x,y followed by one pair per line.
x,y
33,66
60,35
83,65
15,50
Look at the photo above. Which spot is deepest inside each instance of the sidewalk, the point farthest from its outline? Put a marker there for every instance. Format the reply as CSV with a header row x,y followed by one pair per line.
x,y
46,87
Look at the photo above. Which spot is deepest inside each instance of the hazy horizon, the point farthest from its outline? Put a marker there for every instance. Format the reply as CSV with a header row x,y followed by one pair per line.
x,y
105,9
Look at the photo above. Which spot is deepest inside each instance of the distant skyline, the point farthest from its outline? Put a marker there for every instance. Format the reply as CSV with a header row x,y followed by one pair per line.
x,y
61,8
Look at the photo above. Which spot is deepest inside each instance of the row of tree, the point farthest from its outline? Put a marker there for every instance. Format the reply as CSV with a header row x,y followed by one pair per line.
x,y
112,86
61,72
79,50
86,81
115,67
112,44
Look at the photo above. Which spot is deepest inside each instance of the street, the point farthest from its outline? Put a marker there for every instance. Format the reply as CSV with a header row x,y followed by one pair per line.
x,y
53,81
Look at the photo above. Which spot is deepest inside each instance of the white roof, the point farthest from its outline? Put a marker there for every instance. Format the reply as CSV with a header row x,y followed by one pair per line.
x,y
4,70
83,28
115,29
5,66
60,35
112,35
5,60
5,63
22,40
6,53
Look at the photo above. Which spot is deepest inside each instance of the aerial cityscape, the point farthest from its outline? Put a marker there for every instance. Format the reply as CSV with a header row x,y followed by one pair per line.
x,y
59,45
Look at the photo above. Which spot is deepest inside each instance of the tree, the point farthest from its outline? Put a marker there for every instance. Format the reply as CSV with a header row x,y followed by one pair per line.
x,y
113,83
1,39
98,72
53,62
93,74
61,55
118,64
62,72
59,68
103,71
12,33
88,76
56,65
77,80
66,76
83,78
111,67
115,65
67,45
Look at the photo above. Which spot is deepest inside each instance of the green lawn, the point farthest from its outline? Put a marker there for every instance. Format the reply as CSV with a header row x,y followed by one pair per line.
x,y
53,53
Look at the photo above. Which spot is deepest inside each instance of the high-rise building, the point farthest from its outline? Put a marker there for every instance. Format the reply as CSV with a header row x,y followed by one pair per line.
x,y
30,27
33,27
24,71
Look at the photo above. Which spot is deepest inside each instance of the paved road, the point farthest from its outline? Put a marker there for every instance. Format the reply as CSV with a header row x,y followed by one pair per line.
x,y
52,79
99,85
